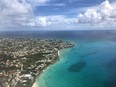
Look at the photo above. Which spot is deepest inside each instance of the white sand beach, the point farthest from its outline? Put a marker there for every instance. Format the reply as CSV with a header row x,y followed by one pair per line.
x,y
34,85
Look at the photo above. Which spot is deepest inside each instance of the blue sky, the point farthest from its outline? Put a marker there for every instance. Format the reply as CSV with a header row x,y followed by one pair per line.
x,y
65,6
57,14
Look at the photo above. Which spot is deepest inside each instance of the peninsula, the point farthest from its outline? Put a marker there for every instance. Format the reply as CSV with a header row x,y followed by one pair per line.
x,y
22,60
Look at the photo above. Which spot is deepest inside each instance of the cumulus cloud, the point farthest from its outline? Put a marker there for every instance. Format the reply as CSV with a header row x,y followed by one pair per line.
x,y
59,20
14,13
11,7
102,14
89,16
45,21
20,13
41,21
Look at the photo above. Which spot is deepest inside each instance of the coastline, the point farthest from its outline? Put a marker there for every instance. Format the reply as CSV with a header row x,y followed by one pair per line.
x,y
39,73
34,85
25,59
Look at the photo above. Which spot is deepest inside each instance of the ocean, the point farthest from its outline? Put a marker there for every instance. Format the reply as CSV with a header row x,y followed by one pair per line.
x,y
90,63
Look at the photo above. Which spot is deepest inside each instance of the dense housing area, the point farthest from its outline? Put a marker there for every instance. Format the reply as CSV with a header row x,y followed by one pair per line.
x,y
23,59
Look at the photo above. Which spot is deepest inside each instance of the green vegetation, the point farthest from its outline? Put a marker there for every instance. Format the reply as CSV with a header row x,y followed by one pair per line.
x,y
4,57
32,59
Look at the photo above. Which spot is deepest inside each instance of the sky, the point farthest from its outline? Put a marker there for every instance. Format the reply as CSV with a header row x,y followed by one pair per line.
x,y
57,15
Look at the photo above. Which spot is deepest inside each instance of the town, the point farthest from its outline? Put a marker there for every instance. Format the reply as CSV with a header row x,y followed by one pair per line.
x,y
22,60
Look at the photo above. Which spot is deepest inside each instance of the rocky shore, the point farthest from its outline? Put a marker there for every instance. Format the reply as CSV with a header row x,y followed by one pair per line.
x,y
22,60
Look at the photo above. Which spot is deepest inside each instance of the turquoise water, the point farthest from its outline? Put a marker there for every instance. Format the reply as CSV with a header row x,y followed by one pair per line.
x,y
85,65
89,64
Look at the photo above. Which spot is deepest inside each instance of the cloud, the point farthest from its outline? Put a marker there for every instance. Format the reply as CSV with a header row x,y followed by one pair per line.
x,y
41,21
36,3
90,16
20,13
15,13
59,19
11,7
41,1
46,21
102,14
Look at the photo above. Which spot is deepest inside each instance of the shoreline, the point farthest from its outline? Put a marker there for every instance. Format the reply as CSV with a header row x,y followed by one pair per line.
x,y
34,85
26,59
39,73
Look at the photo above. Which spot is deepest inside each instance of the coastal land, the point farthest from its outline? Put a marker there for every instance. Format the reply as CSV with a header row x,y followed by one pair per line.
x,y
22,60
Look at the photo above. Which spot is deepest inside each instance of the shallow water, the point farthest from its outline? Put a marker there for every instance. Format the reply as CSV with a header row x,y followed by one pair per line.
x,y
88,64
91,63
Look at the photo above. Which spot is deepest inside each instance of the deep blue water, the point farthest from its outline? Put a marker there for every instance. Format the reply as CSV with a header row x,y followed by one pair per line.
x,y
91,63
